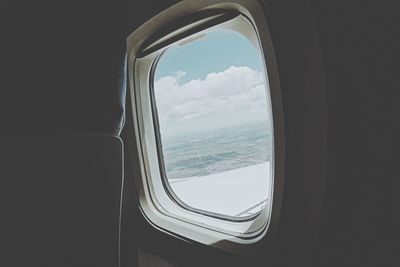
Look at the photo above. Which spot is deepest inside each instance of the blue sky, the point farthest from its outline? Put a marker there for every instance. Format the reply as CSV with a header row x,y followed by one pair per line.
x,y
215,52
209,83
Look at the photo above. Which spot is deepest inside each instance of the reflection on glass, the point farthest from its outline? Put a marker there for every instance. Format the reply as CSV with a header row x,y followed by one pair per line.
x,y
214,120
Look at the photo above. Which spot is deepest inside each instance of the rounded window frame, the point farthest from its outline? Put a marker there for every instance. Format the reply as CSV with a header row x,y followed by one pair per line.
x,y
145,46
238,24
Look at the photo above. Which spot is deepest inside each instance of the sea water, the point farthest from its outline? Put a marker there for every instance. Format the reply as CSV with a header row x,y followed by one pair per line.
x,y
213,151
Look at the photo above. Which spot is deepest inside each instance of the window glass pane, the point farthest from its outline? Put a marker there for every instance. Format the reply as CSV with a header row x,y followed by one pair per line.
x,y
214,121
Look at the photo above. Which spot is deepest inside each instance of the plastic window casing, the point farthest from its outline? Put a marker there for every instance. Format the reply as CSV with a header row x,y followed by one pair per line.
x,y
157,203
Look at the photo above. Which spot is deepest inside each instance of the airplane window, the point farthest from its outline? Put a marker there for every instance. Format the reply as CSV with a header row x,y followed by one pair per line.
x,y
214,125
207,123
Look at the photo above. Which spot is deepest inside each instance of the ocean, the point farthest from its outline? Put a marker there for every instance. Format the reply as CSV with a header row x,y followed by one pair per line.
x,y
220,150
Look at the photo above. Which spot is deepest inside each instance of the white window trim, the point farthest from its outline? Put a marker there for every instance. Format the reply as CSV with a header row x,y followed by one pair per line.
x,y
155,203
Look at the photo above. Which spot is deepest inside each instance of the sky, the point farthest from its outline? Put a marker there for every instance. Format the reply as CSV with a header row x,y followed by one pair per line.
x,y
215,52
212,82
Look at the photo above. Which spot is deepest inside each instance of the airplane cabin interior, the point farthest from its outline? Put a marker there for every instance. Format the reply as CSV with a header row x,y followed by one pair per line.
x,y
199,133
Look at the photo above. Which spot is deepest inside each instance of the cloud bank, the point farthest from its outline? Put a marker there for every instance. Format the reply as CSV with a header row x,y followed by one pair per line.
x,y
231,97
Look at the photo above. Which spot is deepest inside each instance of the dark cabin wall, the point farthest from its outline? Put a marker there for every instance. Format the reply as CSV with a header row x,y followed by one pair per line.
x,y
360,43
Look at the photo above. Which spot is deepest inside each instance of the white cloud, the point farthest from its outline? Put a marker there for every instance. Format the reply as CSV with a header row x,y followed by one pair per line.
x,y
233,96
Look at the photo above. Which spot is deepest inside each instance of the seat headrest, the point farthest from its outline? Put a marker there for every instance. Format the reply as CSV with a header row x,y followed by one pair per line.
x,y
62,67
